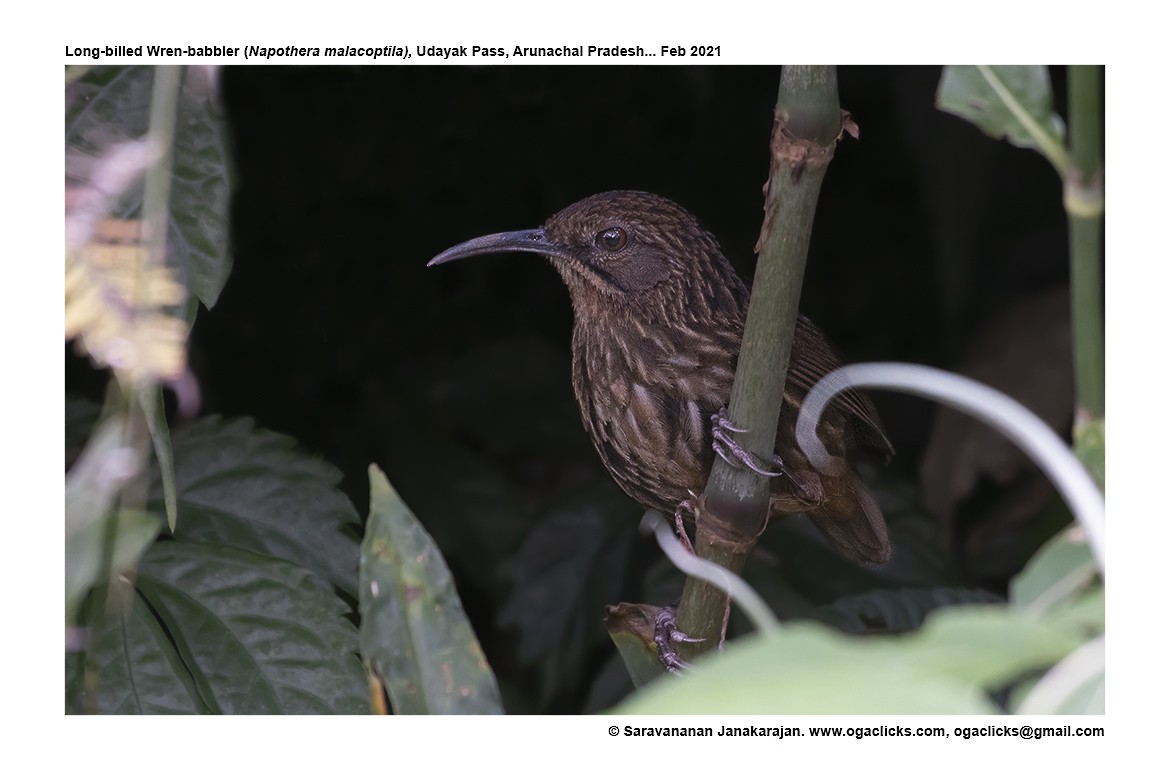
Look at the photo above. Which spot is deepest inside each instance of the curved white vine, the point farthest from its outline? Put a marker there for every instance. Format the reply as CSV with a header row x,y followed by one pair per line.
x,y
1005,414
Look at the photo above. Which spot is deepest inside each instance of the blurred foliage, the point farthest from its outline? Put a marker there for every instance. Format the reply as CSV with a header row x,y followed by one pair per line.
x,y
115,314
332,331
95,527
950,667
109,106
243,607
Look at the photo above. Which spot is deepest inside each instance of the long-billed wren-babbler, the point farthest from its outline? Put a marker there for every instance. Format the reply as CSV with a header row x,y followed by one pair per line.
x,y
658,319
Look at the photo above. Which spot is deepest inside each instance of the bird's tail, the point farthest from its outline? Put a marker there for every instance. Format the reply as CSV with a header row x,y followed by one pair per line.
x,y
850,518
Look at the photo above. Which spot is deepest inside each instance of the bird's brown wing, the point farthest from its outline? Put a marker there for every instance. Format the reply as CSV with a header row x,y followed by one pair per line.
x,y
811,360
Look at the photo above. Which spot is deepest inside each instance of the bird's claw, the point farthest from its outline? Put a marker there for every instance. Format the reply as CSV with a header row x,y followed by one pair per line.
x,y
730,451
666,635
721,420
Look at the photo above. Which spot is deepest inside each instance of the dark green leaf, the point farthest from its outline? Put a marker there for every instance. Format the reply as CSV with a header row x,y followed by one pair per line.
x,y
414,633
895,611
138,670
811,573
570,566
111,104
250,488
259,635
919,557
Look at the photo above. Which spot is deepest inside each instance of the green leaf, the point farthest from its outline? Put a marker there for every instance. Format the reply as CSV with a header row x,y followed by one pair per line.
x,y
1056,574
1087,611
1012,102
414,634
993,645
111,104
250,488
138,670
1089,445
258,635
946,667
811,670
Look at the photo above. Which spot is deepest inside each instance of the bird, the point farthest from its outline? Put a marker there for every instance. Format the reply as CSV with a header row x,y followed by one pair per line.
x,y
658,317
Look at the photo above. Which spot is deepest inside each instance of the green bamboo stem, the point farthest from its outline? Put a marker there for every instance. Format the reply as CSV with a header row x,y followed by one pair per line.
x,y
808,122
1085,203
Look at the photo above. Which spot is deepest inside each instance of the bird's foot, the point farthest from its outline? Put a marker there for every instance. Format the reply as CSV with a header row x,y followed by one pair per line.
x,y
666,636
727,448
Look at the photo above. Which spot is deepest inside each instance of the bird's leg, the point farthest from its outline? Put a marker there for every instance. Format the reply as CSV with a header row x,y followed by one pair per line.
x,y
666,635
727,448
691,505
726,620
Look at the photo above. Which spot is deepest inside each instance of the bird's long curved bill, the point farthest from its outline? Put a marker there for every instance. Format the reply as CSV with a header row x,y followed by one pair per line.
x,y
513,241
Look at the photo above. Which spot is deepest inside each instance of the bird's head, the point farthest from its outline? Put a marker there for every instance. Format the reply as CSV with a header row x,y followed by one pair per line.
x,y
624,250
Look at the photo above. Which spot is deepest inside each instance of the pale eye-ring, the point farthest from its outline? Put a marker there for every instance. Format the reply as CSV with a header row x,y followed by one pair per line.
x,y
611,239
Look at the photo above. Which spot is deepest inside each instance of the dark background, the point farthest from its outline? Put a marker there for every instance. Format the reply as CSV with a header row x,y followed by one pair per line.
x,y
932,244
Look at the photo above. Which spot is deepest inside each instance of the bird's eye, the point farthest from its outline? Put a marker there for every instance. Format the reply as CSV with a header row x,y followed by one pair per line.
x,y
611,239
